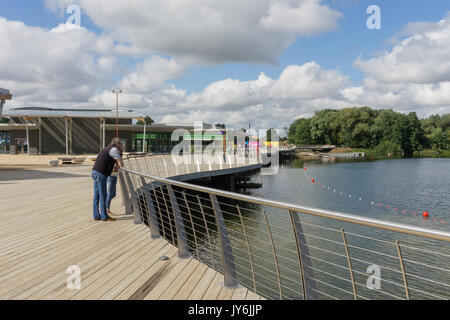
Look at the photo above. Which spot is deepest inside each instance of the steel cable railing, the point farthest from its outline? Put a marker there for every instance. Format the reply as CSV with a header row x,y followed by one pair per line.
x,y
281,250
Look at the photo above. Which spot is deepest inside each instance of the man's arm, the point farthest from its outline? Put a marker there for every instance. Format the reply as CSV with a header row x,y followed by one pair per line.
x,y
115,153
119,163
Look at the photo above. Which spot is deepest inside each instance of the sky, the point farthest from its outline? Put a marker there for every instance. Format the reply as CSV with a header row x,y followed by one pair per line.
x,y
263,62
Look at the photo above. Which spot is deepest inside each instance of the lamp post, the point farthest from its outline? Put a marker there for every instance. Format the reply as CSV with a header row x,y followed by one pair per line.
x,y
117,92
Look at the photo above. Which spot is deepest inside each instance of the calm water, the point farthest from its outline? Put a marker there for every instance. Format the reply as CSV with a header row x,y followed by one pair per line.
x,y
414,185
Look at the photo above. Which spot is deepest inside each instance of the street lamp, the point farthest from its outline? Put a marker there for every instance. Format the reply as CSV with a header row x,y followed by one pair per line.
x,y
117,92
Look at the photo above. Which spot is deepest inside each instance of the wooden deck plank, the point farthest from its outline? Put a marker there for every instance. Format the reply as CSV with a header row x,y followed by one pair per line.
x,y
202,285
214,288
92,262
252,296
240,293
191,283
180,280
174,269
47,226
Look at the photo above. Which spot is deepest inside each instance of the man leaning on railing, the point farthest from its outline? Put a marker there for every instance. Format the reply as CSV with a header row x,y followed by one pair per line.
x,y
107,161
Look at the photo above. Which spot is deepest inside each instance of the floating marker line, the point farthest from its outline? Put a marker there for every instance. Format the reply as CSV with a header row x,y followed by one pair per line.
x,y
375,204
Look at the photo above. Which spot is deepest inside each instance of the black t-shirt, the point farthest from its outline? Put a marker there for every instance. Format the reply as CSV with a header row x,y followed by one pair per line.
x,y
105,163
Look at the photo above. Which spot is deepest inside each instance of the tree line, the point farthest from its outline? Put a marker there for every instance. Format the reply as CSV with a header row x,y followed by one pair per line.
x,y
384,130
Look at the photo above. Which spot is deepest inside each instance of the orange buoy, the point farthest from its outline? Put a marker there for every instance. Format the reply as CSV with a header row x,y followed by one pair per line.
x,y
312,180
425,214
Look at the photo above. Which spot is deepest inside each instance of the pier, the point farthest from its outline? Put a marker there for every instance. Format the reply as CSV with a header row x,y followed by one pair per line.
x,y
47,227
178,240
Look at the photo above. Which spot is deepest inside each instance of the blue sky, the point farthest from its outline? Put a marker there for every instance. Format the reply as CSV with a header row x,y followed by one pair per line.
x,y
334,48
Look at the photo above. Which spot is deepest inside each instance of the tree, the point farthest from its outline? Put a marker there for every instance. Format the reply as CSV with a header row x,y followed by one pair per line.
x,y
416,132
386,148
300,132
440,139
368,128
148,121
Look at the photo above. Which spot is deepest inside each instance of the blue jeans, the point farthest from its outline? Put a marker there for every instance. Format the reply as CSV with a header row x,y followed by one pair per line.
x,y
112,186
100,195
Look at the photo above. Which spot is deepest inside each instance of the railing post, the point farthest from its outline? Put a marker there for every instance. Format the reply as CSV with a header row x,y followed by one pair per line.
x,y
277,265
125,193
163,227
400,257
308,282
183,249
248,247
229,269
192,224
134,201
349,261
153,219
207,232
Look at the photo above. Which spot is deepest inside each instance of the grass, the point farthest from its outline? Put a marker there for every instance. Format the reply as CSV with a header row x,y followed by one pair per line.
x,y
432,154
428,153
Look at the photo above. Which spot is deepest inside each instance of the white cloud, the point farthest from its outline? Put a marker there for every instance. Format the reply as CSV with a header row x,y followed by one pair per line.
x,y
423,57
69,66
306,17
208,30
151,75
51,66
413,76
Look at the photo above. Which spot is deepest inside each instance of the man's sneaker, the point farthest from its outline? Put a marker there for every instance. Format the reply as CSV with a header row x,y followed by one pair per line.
x,y
109,219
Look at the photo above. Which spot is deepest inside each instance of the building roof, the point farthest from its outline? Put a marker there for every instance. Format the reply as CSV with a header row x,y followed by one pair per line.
x,y
38,112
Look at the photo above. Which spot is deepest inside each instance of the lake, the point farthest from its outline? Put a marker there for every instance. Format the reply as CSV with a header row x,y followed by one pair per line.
x,y
414,185
397,190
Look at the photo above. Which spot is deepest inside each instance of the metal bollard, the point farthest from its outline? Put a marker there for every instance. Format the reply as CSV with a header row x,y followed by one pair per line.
x,y
309,285
153,219
229,268
134,201
125,193
183,249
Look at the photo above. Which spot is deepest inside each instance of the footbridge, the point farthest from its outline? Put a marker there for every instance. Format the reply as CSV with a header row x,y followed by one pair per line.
x,y
281,250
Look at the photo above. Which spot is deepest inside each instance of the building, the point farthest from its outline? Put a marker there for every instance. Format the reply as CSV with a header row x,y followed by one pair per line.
x,y
81,131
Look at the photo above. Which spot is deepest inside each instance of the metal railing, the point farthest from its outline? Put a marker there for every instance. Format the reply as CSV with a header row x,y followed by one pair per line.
x,y
165,165
285,251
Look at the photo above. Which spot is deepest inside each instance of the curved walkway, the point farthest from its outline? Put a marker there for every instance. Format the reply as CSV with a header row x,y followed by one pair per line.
x,y
46,227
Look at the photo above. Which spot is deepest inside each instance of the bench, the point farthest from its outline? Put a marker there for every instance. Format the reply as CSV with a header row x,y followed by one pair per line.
x,y
72,160
53,163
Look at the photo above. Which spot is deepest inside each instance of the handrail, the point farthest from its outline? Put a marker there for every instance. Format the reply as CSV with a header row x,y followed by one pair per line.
x,y
345,217
281,250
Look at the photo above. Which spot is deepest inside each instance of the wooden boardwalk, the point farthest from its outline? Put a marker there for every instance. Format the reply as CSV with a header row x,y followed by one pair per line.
x,y
46,226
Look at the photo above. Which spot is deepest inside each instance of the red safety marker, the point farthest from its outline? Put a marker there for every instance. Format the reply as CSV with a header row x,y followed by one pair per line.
x,y
425,214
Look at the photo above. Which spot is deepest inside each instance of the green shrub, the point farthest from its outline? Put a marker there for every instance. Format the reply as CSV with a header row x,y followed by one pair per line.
x,y
388,147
